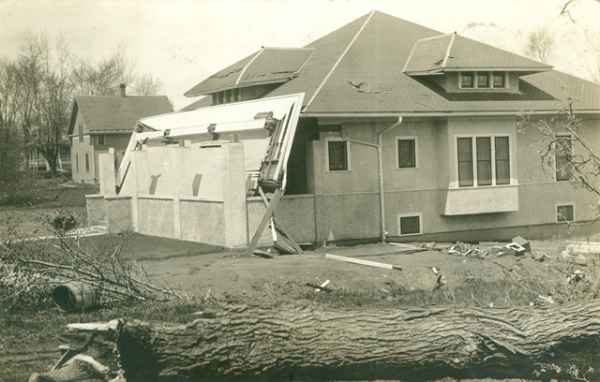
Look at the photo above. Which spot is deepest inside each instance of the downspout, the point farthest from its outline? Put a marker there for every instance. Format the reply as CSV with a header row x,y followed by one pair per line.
x,y
380,175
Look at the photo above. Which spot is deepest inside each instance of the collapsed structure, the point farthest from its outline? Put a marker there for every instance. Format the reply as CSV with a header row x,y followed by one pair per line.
x,y
380,129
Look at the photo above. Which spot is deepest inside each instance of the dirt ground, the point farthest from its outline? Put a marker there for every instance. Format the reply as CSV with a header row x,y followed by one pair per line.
x,y
29,339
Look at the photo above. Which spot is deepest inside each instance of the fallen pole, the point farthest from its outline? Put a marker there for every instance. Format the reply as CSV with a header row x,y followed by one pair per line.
x,y
368,263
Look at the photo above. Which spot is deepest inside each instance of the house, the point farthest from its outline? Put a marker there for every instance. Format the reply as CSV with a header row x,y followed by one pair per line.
x,y
405,133
102,122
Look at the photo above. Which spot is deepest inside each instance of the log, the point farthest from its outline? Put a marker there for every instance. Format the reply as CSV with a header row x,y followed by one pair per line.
x,y
310,343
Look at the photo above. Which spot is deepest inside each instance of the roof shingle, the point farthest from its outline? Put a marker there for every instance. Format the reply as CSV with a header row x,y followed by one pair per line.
x,y
116,113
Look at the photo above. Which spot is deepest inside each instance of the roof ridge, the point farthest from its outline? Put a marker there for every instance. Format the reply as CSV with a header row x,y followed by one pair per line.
x,y
340,58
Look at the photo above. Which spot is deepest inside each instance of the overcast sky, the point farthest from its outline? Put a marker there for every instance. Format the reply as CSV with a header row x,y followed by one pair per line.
x,y
183,41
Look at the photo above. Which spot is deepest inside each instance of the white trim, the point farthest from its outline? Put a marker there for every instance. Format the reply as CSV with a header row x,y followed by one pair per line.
x,y
409,215
406,138
348,161
340,58
237,82
557,135
512,181
564,204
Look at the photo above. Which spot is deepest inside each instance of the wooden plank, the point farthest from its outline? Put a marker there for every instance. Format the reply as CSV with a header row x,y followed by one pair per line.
x,y
265,220
368,263
279,227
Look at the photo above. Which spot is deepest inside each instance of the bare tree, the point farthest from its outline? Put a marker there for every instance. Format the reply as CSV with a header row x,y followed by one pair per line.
x,y
539,44
146,85
564,149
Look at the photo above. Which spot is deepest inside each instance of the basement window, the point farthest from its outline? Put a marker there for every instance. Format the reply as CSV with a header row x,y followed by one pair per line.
x,y
407,154
410,224
338,155
565,213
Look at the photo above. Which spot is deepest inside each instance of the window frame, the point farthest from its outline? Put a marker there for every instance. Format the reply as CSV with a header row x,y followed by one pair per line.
x,y
407,138
475,75
409,215
100,140
348,155
512,180
460,80
564,204
556,136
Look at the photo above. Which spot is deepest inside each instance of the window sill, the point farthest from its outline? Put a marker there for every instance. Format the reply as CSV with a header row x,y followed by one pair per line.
x,y
481,200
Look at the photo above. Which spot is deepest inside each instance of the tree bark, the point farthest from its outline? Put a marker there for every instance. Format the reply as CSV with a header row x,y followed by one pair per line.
x,y
323,344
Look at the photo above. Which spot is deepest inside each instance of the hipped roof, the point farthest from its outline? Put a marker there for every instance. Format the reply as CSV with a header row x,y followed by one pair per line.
x,y
359,68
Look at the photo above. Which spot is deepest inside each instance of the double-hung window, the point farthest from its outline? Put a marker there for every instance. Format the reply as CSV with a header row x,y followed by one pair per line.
x,y
338,156
483,161
407,152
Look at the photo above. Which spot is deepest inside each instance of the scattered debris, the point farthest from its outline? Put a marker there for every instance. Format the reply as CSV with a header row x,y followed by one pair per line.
x,y
322,287
440,280
524,243
362,262
263,254
575,277
363,87
539,256
584,247
545,300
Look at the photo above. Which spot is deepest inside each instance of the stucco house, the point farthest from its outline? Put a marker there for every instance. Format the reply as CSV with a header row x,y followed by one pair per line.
x,y
404,133
102,122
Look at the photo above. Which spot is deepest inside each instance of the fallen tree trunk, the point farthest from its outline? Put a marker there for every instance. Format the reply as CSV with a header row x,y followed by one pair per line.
x,y
316,344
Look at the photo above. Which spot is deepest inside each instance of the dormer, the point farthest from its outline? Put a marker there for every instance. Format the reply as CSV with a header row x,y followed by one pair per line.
x,y
461,65
254,76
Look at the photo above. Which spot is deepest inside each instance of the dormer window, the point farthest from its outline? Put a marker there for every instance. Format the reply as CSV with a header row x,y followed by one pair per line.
x,y
467,80
482,80
499,81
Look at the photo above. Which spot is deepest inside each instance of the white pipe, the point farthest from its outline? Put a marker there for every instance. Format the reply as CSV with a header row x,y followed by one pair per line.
x,y
380,175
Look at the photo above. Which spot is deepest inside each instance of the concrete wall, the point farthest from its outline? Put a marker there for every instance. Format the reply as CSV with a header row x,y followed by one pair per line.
x,y
347,201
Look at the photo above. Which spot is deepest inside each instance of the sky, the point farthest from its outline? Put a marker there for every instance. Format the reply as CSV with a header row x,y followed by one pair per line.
x,y
184,41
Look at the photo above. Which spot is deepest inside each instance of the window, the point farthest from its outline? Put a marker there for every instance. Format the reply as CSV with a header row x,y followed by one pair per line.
x,y
466,80
337,152
100,139
483,80
407,155
77,161
487,161
409,224
565,213
484,161
502,154
564,154
87,162
465,162
499,80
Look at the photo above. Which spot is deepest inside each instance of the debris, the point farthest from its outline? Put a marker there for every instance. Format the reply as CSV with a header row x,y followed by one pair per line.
x,y
544,300
79,368
363,262
322,287
539,256
584,247
76,296
440,281
580,260
522,242
576,276
263,254
517,248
